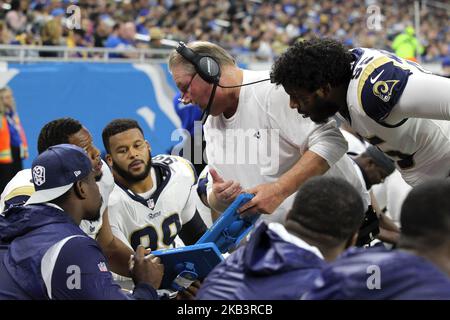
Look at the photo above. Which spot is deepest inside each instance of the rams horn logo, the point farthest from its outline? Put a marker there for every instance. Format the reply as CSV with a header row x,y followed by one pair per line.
x,y
383,89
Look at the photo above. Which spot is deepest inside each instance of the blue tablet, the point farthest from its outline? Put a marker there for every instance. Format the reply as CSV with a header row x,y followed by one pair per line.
x,y
184,265
231,227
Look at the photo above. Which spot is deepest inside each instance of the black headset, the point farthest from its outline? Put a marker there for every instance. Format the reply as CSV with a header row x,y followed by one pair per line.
x,y
209,70
206,67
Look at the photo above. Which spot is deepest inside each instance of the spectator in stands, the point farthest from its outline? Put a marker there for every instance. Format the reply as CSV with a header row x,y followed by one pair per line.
x,y
102,31
283,261
13,142
16,18
79,39
5,38
51,35
270,25
418,270
407,46
446,67
123,39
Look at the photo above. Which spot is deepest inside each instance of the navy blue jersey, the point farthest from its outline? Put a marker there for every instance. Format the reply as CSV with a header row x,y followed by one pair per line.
x,y
266,268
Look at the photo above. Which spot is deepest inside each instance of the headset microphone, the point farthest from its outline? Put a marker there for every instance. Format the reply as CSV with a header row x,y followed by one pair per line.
x,y
243,85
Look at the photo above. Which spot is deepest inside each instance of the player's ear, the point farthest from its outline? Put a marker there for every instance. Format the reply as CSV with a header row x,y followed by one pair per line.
x,y
148,146
80,189
108,159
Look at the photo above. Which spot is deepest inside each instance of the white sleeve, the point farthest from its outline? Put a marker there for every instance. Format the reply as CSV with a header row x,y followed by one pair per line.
x,y
323,139
425,96
328,142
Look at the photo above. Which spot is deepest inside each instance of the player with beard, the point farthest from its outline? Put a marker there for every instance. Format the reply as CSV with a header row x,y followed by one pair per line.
x,y
154,199
393,103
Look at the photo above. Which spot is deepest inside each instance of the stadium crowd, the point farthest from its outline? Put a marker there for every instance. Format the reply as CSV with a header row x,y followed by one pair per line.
x,y
266,28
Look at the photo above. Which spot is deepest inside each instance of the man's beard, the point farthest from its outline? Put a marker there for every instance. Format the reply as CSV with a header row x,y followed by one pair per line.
x,y
132,178
323,110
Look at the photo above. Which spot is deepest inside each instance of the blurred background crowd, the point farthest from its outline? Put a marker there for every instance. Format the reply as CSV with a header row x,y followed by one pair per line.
x,y
265,28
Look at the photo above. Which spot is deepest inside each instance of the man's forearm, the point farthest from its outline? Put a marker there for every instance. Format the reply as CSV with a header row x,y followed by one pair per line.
x,y
118,255
309,165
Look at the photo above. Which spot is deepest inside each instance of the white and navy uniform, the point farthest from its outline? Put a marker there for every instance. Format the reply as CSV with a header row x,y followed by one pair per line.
x,y
265,138
49,257
378,98
20,188
391,194
154,219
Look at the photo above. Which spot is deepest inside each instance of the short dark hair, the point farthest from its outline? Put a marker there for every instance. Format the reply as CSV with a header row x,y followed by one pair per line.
x,y
328,206
56,132
425,214
117,126
312,64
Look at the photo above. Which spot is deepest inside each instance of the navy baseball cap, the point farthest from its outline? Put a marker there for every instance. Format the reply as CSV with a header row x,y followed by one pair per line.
x,y
56,169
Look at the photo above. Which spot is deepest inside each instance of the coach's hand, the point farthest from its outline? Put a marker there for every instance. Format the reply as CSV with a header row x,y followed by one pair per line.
x,y
224,191
147,269
268,197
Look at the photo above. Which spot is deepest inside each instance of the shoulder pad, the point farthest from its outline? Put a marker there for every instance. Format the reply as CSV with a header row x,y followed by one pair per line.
x,y
381,85
177,165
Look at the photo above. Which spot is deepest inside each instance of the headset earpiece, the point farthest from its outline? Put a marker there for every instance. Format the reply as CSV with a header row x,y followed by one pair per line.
x,y
207,67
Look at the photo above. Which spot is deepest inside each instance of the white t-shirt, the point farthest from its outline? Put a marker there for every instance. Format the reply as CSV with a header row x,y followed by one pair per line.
x,y
265,138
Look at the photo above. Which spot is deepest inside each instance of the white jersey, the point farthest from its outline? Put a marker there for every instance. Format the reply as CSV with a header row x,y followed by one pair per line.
x,y
420,147
355,145
265,138
21,185
154,222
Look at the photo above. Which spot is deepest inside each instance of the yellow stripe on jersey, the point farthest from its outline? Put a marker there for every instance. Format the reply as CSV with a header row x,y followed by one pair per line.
x,y
366,74
20,191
